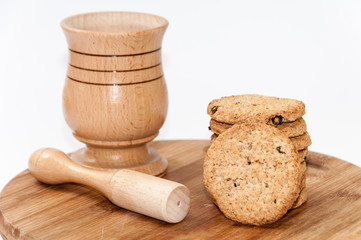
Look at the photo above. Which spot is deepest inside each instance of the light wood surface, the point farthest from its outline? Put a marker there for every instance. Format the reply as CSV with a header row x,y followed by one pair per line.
x,y
115,77
115,115
31,210
110,63
114,33
142,193
115,97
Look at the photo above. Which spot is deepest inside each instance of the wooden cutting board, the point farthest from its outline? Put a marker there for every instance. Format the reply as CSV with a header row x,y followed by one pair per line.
x,y
32,210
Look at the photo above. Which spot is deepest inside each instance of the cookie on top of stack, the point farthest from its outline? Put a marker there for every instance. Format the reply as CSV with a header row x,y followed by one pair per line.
x,y
236,115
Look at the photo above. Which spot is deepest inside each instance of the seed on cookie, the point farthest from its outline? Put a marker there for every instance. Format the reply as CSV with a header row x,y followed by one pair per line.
x,y
277,120
214,109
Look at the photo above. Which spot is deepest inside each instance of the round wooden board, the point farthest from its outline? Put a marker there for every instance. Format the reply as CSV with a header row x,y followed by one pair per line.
x,y
32,210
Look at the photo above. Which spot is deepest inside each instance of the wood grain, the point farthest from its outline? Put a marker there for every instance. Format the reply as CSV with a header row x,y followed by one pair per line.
x,y
32,210
116,122
116,77
114,33
115,97
132,190
110,63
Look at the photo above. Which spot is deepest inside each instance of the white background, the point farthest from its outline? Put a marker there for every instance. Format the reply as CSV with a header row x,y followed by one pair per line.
x,y
308,50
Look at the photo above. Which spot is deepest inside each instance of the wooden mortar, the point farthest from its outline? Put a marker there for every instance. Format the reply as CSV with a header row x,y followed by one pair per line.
x,y
115,97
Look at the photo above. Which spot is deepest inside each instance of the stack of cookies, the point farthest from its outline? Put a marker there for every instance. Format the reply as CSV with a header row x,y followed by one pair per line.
x,y
236,115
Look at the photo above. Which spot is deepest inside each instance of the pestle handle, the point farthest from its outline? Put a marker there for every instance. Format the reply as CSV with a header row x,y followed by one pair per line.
x,y
139,192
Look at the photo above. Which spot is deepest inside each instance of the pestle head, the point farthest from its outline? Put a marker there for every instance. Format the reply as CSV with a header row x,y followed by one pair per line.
x,y
47,165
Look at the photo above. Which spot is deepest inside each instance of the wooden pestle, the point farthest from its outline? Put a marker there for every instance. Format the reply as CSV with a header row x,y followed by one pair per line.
x,y
139,192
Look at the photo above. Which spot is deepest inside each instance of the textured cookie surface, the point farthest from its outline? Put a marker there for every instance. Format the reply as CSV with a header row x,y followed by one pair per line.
x,y
301,142
303,170
252,173
293,129
290,129
302,154
255,108
302,198
218,127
